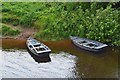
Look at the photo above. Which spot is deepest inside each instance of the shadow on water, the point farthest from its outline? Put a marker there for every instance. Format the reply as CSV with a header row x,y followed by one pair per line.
x,y
40,59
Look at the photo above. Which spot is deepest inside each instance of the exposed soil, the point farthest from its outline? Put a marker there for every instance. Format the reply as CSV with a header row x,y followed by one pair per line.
x,y
26,32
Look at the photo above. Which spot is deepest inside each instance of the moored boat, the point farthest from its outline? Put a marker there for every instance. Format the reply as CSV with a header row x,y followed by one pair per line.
x,y
87,44
37,47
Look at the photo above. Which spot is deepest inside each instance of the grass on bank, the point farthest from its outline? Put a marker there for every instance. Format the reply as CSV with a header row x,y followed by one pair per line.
x,y
56,21
7,31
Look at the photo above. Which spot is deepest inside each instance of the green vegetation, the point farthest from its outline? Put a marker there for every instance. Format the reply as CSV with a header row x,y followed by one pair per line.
x,y
55,21
9,31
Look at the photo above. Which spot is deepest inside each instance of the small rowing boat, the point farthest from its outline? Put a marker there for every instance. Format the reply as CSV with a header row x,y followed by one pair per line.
x,y
87,44
37,47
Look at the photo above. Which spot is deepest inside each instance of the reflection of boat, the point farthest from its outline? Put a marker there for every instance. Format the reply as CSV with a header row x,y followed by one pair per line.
x,y
88,44
37,47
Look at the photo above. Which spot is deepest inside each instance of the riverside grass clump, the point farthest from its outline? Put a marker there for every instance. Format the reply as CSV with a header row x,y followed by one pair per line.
x,y
56,21
9,31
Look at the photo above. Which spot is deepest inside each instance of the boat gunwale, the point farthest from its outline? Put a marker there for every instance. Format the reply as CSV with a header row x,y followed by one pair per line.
x,y
47,49
74,40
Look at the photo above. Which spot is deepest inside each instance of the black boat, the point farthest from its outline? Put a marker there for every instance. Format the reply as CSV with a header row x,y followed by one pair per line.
x,y
87,44
37,48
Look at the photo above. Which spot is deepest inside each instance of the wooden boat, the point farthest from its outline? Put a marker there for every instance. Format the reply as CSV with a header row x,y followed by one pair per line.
x,y
37,47
87,44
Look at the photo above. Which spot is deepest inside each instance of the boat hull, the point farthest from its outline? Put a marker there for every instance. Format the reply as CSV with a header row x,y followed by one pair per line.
x,y
76,42
33,50
40,54
88,49
40,58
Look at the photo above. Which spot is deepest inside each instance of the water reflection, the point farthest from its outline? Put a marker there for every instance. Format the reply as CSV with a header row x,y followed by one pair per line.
x,y
104,65
19,64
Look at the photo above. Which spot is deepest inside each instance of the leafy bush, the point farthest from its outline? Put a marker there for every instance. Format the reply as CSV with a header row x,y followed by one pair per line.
x,y
97,21
15,23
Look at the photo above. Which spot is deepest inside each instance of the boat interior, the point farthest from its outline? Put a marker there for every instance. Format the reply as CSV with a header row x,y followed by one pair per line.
x,y
37,45
88,43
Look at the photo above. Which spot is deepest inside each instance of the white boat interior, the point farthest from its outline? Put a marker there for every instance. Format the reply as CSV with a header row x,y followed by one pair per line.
x,y
36,46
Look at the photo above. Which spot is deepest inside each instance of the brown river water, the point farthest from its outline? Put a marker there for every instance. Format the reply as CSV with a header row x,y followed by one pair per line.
x,y
67,61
